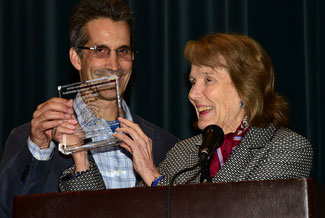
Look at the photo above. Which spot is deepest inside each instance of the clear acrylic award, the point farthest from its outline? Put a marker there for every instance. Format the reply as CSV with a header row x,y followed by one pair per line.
x,y
92,131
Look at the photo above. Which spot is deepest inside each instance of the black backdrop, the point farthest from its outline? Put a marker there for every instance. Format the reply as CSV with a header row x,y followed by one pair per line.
x,y
34,57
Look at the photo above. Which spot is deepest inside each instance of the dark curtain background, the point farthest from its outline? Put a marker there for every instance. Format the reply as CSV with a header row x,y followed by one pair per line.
x,y
34,58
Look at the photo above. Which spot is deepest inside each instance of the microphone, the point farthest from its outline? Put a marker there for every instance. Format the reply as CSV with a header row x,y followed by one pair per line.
x,y
212,139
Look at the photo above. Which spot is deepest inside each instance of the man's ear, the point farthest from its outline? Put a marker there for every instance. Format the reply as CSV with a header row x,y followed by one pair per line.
x,y
75,59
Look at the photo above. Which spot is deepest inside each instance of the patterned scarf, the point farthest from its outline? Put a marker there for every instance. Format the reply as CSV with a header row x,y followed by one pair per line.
x,y
231,140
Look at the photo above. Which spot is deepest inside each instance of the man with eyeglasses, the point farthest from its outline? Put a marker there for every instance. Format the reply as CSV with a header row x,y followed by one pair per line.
x,y
101,37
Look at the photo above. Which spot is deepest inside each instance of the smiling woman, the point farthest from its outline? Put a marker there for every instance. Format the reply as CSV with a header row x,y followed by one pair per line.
x,y
249,69
215,98
232,81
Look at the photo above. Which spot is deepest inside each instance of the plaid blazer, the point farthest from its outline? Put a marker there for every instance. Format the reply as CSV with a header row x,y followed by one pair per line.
x,y
263,154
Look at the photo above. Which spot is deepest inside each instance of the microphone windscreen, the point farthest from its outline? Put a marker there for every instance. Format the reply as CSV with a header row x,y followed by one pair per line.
x,y
213,137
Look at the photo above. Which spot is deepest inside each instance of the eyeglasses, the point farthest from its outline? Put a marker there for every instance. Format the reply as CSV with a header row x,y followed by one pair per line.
x,y
124,53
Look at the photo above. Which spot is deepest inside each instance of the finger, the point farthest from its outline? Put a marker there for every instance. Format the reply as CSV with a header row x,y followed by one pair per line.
x,y
73,122
44,126
127,123
129,144
66,128
124,138
136,134
70,103
126,147
137,147
55,100
131,133
52,115
58,104
67,102
55,107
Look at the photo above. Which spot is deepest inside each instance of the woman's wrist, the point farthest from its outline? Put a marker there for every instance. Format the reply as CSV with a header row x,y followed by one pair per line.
x,y
150,177
81,161
156,180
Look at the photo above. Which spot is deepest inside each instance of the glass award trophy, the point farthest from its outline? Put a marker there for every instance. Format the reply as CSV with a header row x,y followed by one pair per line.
x,y
92,131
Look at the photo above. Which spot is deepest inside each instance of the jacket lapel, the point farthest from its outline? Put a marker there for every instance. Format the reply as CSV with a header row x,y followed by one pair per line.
x,y
240,164
149,131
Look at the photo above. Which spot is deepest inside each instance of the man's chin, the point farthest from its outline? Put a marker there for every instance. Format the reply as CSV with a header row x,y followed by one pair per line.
x,y
107,97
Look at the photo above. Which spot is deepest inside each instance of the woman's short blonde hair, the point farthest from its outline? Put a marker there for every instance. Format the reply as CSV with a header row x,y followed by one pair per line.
x,y
251,71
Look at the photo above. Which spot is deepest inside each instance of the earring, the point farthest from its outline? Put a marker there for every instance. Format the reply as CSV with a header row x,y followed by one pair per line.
x,y
241,104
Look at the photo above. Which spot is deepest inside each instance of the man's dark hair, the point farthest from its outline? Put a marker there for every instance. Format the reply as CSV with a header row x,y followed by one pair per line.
x,y
87,10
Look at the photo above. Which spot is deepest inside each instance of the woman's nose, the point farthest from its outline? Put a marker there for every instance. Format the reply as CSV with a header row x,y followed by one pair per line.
x,y
195,92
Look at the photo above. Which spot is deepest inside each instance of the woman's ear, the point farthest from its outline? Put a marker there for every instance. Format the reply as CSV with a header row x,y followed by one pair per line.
x,y
75,59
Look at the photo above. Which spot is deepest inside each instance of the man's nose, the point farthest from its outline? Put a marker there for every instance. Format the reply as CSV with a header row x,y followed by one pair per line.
x,y
112,61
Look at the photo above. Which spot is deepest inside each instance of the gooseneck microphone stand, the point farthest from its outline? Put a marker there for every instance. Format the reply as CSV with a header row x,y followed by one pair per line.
x,y
205,173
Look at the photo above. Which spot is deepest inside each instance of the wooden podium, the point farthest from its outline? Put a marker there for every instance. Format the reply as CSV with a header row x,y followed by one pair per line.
x,y
298,198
